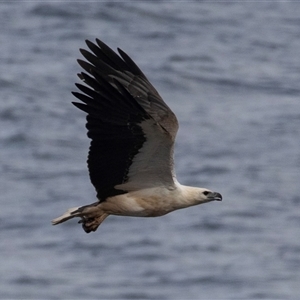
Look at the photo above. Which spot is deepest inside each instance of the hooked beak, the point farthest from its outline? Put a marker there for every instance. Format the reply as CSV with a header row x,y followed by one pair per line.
x,y
215,196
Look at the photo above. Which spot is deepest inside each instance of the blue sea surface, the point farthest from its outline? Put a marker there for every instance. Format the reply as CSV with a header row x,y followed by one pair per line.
x,y
230,70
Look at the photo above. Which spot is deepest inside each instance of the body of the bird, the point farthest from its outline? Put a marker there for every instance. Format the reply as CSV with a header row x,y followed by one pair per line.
x,y
149,202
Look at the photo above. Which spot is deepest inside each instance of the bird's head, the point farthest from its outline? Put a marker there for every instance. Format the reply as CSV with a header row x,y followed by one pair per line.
x,y
208,196
196,196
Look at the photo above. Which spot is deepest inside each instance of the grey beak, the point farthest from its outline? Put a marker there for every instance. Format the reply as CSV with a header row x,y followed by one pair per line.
x,y
216,196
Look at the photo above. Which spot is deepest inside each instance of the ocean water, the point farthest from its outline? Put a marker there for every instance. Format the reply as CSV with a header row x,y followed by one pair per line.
x,y
230,70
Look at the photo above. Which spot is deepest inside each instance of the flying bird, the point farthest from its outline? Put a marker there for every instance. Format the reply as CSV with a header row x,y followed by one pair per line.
x,y
132,132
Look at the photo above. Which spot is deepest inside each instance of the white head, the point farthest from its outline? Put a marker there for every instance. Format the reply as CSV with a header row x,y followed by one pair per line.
x,y
196,196
206,195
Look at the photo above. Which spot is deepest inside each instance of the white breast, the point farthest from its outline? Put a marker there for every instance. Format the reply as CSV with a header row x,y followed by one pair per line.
x,y
149,202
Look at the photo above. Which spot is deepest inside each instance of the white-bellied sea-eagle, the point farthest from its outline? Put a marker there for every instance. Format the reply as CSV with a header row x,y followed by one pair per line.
x,y
132,132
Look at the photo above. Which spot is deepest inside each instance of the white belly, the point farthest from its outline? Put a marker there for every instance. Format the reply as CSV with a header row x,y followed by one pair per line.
x,y
145,203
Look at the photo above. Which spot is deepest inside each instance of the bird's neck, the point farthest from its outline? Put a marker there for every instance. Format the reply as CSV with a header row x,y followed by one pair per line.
x,y
187,196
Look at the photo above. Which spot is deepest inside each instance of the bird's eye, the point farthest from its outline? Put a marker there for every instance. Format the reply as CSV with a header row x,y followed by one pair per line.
x,y
205,193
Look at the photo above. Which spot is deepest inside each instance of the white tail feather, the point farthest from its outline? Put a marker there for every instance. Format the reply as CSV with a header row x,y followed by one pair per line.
x,y
69,214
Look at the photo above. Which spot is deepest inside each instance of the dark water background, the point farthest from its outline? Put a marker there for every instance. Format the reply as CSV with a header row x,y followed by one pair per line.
x,y
231,73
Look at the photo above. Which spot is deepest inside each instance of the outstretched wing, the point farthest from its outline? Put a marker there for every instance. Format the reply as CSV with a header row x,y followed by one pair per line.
x,y
131,127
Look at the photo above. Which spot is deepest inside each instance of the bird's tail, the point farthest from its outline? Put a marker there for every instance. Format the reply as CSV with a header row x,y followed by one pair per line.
x,y
91,216
69,214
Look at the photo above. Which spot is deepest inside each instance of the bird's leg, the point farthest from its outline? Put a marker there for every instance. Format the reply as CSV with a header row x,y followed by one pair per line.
x,y
92,223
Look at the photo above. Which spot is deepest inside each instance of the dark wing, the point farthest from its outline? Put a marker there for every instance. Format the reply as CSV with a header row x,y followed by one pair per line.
x,y
131,128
